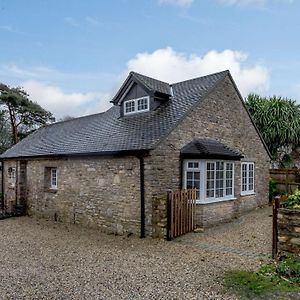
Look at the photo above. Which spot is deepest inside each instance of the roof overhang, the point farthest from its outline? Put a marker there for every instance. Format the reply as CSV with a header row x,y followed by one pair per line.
x,y
138,153
209,149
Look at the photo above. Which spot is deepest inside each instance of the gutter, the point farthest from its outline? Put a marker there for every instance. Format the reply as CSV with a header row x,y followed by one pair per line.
x,y
136,153
142,190
2,185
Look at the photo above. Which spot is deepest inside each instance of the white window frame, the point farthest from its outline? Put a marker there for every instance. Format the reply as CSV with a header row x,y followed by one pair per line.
x,y
202,168
53,185
136,110
248,191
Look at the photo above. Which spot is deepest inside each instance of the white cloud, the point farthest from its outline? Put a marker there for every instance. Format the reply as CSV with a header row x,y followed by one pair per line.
x,y
63,104
256,3
180,3
171,66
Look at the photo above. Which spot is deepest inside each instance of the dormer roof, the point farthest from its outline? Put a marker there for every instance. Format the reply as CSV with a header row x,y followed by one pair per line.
x,y
150,85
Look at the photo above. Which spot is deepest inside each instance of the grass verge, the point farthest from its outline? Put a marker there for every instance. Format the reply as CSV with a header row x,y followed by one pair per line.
x,y
282,277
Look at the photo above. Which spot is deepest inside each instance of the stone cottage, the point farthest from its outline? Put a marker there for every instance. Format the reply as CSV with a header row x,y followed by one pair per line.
x,y
106,170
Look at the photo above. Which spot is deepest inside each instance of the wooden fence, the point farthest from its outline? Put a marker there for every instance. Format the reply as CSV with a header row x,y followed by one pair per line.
x,y
181,212
287,180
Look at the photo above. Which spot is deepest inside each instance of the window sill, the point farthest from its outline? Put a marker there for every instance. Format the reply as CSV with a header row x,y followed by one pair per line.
x,y
248,194
50,191
214,200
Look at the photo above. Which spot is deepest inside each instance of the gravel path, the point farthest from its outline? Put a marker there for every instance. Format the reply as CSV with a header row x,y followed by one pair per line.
x,y
45,260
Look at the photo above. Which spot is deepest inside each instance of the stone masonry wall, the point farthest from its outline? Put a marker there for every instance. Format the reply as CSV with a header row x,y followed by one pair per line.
x,y
220,116
98,192
10,186
288,231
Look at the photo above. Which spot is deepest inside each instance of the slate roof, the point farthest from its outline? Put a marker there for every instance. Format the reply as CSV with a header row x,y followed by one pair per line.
x,y
153,84
108,132
209,148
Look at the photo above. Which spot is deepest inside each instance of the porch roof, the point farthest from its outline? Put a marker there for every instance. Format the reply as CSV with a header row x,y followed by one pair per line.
x,y
209,148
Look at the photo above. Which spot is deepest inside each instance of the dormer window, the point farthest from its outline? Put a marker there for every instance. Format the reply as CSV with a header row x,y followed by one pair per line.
x,y
136,105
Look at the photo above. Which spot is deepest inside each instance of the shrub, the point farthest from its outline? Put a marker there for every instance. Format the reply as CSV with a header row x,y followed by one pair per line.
x,y
289,268
293,200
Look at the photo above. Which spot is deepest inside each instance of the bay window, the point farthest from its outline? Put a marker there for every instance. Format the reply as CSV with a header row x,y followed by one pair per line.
x,y
213,180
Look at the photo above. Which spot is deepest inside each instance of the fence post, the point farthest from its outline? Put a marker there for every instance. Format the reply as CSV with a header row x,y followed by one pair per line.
x,y
169,215
276,203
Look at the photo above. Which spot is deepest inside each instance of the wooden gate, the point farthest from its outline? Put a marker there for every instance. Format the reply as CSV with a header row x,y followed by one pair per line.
x,y
181,212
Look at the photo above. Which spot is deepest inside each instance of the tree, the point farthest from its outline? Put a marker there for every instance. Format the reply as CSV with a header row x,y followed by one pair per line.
x,y
278,120
5,136
24,115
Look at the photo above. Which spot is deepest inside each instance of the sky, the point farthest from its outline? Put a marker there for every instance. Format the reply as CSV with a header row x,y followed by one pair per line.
x,y
71,56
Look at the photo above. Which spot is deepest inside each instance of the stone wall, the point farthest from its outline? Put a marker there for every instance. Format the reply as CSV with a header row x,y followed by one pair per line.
x,y
98,192
10,186
221,115
288,231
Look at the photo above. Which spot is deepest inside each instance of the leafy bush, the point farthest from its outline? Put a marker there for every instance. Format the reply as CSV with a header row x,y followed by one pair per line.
x,y
289,268
293,200
286,162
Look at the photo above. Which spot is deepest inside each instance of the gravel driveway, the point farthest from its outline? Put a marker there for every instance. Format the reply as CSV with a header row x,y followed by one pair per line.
x,y
45,260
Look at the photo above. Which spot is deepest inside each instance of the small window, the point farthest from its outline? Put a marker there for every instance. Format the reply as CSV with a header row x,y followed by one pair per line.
x,y
136,105
247,178
12,173
53,178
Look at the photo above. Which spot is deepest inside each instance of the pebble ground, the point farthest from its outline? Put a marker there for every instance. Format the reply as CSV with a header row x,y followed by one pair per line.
x,y
41,259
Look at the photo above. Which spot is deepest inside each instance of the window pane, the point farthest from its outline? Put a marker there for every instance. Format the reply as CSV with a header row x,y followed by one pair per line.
x,y
228,191
142,104
210,180
193,181
196,184
193,165
210,193
229,179
53,178
129,106
197,175
189,184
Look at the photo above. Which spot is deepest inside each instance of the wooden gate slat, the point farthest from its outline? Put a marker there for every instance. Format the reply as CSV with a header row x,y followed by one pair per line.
x,y
182,210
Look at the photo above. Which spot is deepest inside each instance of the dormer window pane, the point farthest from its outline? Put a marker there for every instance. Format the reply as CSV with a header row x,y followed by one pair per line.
x,y
143,104
129,106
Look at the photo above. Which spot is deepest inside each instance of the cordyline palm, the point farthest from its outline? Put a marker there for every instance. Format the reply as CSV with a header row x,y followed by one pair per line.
x,y
278,120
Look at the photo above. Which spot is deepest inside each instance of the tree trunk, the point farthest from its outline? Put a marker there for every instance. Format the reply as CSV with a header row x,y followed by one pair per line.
x,y
13,122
